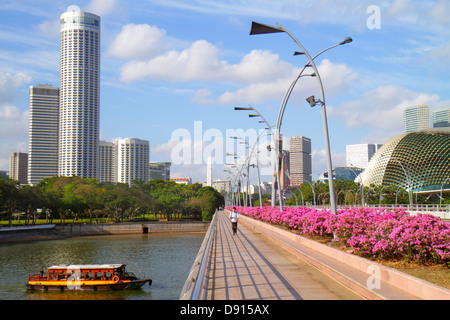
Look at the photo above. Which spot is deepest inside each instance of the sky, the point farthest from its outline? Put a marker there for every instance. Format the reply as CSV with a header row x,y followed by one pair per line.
x,y
172,72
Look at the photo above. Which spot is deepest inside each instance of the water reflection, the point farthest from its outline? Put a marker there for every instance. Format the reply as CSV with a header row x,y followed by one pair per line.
x,y
165,258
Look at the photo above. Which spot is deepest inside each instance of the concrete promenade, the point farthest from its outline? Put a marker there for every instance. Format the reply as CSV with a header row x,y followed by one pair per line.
x,y
248,266
264,262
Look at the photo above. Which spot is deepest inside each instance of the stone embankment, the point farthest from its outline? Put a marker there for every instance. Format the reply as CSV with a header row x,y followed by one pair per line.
x,y
52,231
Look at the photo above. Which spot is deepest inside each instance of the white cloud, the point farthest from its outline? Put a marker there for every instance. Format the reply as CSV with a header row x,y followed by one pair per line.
x,y
13,122
8,85
381,111
102,7
137,42
201,62
319,161
266,75
49,28
336,78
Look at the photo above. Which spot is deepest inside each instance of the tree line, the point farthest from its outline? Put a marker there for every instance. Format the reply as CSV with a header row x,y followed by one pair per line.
x,y
75,198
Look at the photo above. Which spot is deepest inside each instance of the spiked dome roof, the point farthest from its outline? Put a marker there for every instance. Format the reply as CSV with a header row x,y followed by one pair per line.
x,y
417,161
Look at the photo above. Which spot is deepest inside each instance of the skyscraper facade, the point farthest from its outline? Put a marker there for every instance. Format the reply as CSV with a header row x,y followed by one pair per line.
x,y
18,167
441,118
107,162
359,155
300,165
416,118
79,94
43,133
133,158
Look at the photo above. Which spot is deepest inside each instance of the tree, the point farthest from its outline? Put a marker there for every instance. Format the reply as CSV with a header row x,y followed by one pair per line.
x,y
9,197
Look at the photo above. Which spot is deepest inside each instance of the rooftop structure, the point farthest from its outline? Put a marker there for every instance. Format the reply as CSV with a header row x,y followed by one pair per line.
x,y
418,161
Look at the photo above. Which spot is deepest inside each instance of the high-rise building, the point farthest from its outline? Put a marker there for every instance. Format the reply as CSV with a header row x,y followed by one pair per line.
x,y
300,166
79,94
359,155
416,118
160,170
441,118
43,133
132,162
18,167
107,162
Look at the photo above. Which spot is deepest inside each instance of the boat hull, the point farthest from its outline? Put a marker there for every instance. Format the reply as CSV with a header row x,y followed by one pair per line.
x,y
128,285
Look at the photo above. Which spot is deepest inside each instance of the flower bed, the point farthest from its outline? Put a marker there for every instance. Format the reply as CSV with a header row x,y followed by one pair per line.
x,y
371,233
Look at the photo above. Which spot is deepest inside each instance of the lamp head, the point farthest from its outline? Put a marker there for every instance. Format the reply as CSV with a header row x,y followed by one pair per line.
x,y
346,40
259,28
312,102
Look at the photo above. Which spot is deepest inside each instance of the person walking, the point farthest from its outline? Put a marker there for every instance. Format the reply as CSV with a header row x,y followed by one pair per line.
x,y
234,217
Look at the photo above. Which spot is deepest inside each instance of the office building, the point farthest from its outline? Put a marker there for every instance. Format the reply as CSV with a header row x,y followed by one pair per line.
x,y
416,118
18,167
132,162
43,133
343,173
222,186
107,162
300,167
79,94
441,118
359,155
160,170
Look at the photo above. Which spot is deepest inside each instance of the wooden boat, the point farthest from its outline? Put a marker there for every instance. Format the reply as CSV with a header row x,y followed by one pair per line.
x,y
85,277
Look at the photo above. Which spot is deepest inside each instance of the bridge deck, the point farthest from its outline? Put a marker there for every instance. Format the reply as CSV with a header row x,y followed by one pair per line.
x,y
248,266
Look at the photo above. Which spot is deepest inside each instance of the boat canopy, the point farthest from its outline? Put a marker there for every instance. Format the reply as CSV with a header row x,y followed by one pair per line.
x,y
86,266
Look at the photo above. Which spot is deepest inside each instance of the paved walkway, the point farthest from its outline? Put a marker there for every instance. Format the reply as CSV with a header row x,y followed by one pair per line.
x,y
248,266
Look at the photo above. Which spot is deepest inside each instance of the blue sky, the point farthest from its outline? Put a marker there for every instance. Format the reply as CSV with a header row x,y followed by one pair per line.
x,y
173,71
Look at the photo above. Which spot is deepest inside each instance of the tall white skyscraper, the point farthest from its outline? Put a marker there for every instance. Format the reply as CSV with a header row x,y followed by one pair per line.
x,y
300,165
359,155
132,160
43,133
79,94
107,162
416,118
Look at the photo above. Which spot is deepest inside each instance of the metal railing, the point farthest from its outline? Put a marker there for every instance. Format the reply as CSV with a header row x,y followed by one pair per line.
x,y
195,286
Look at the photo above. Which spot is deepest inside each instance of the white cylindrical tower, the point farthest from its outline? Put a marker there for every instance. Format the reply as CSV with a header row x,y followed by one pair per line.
x,y
79,94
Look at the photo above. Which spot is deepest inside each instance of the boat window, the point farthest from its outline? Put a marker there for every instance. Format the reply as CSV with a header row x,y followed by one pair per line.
x,y
62,276
52,276
89,276
98,276
108,275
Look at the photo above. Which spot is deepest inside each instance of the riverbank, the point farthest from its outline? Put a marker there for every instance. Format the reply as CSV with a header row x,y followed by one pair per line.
x,y
54,231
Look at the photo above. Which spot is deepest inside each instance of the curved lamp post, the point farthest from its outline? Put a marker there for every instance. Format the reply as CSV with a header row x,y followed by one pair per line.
x,y
258,28
276,164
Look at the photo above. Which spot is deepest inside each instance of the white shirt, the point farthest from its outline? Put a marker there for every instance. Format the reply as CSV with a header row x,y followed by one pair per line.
x,y
234,216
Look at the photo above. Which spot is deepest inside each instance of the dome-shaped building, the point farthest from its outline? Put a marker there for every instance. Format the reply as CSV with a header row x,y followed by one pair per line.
x,y
416,161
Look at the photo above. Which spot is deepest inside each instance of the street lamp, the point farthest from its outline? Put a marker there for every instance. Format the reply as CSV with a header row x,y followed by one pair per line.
x,y
259,28
276,179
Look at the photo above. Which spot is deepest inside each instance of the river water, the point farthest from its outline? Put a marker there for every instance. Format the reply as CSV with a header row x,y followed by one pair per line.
x,y
164,258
